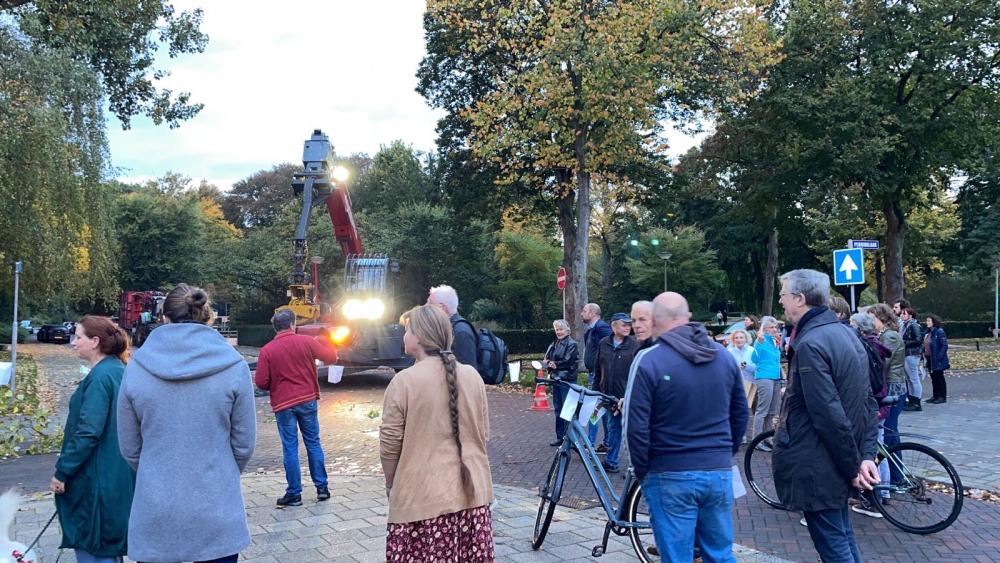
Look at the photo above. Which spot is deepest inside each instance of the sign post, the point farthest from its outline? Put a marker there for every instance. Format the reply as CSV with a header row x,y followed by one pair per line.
x,y
849,268
13,335
561,284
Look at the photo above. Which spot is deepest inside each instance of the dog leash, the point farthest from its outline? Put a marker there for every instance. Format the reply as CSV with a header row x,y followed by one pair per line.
x,y
20,557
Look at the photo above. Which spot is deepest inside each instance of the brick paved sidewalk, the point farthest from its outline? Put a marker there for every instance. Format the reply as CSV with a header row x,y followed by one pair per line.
x,y
350,527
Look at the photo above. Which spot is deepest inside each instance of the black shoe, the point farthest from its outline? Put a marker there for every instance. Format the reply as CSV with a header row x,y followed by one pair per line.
x,y
602,449
322,493
609,468
290,500
555,443
942,400
913,406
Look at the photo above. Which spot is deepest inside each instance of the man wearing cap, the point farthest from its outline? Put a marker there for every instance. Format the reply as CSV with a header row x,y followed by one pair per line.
x,y
614,358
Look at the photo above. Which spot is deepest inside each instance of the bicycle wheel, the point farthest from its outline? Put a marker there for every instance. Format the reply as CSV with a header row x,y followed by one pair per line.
x,y
757,467
642,538
549,494
928,498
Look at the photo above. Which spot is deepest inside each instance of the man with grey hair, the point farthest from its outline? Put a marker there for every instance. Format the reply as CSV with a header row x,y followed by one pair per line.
x,y
825,443
687,412
286,367
597,330
464,346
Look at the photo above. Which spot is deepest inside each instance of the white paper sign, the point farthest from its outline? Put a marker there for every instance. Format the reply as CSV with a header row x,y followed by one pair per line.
x,y
739,489
334,374
589,405
569,407
5,369
515,371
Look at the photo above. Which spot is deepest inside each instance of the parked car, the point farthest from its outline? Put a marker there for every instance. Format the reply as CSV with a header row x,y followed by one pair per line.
x,y
55,333
27,325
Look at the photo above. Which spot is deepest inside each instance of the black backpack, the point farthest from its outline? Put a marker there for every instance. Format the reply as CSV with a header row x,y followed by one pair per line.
x,y
491,354
876,368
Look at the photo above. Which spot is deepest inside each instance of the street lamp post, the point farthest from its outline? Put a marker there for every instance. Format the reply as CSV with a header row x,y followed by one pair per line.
x,y
13,334
664,256
996,300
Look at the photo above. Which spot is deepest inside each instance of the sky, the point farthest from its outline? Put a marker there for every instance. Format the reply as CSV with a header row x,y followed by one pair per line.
x,y
271,75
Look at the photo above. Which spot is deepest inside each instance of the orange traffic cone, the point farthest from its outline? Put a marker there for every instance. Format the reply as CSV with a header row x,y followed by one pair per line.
x,y
541,401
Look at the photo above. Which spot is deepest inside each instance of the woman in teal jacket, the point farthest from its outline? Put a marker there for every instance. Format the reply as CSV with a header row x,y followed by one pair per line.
x,y
93,483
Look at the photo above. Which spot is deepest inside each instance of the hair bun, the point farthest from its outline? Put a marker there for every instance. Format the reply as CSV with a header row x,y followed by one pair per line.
x,y
196,298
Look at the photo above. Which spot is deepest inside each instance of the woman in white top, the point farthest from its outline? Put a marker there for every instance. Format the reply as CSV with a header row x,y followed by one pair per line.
x,y
742,351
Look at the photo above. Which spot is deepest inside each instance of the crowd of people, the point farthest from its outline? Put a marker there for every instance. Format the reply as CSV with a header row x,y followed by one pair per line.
x,y
155,444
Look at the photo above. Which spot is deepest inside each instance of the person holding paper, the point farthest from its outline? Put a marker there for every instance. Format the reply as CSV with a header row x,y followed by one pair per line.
x,y
563,362
287,368
687,412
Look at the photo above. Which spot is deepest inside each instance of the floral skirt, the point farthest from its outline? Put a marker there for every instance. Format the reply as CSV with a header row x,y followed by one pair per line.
x,y
465,536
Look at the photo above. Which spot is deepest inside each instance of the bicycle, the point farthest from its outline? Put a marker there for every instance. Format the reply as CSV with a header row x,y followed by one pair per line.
x,y
631,517
928,481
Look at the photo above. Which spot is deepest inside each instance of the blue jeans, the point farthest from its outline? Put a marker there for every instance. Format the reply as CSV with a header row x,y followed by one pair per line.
x,y
85,557
833,535
685,506
892,437
592,428
614,435
559,394
303,417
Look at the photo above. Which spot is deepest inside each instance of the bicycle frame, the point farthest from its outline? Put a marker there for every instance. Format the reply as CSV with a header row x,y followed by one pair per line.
x,y
576,436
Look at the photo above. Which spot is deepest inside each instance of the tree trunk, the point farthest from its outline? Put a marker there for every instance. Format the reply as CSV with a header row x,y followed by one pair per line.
x,y
878,277
770,273
895,235
574,221
608,266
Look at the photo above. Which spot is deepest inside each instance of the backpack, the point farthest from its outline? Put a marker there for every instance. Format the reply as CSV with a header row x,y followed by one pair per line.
x,y
491,354
876,367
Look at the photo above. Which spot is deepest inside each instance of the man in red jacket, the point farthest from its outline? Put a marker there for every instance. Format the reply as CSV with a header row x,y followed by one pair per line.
x,y
287,368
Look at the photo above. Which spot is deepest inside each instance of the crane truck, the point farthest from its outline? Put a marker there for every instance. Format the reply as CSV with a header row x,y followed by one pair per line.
x,y
360,323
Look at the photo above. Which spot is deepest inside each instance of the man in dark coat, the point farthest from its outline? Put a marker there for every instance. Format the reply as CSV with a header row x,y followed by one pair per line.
x,y
597,330
464,346
614,358
826,439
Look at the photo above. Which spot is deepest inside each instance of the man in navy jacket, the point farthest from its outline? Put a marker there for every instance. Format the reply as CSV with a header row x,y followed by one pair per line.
x,y
686,417
597,330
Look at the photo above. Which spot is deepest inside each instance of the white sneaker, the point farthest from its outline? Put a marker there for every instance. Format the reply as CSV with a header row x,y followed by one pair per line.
x,y
867,511
803,522
744,439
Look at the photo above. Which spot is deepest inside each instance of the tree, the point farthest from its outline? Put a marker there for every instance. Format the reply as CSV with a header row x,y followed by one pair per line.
x,y
566,89
162,237
57,211
119,40
881,99
527,264
692,269
395,178
257,200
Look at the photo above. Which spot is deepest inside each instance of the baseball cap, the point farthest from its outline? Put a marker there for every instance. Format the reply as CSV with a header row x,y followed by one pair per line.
x,y
621,317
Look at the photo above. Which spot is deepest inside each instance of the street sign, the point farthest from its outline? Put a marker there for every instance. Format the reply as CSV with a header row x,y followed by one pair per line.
x,y
865,244
561,278
848,266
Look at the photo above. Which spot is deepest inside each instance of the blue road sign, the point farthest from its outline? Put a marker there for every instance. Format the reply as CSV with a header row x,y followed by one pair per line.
x,y
865,244
848,266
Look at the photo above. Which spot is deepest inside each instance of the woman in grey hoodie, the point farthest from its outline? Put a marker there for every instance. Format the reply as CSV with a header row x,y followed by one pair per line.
x,y
187,424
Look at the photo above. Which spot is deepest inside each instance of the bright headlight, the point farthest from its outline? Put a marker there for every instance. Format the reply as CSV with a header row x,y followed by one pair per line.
x,y
340,174
371,309
340,334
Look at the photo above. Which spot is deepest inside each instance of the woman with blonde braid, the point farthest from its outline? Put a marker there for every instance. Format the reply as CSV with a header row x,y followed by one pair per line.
x,y
426,451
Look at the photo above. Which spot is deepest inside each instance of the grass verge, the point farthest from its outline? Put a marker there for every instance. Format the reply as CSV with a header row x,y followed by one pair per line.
x,y
23,419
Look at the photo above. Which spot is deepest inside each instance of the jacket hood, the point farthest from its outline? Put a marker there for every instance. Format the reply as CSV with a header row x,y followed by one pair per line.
x,y
176,352
693,342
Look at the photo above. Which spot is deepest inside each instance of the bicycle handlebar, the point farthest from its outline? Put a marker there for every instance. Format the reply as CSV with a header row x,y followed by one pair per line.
x,y
609,399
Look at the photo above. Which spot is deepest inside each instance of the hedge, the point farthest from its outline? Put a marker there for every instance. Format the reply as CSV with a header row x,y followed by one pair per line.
x,y
253,335
528,341
22,335
968,329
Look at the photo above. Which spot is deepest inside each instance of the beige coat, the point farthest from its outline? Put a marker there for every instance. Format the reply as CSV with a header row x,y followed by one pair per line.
x,y
416,442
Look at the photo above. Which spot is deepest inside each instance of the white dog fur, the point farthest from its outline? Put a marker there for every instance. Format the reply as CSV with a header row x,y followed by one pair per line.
x,y
8,507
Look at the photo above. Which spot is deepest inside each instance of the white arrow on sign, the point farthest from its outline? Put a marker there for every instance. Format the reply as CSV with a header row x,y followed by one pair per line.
x,y
848,266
